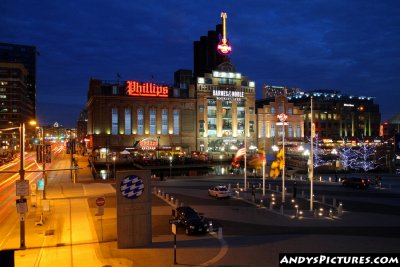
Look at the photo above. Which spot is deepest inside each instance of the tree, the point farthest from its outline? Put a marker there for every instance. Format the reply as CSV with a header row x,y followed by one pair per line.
x,y
365,156
318,161
347,156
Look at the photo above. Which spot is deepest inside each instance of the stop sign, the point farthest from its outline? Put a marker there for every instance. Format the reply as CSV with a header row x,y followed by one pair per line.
x,y
100,201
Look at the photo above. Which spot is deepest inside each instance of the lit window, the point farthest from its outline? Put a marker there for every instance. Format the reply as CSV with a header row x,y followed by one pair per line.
x,y
164,121
114,121
140,121
128,125
176,122
153,121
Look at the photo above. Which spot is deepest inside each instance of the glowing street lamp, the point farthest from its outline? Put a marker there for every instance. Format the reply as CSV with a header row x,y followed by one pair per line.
x,y
282,118
170,166
114,158
22,178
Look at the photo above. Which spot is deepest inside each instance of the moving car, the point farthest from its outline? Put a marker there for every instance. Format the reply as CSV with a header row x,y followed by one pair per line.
x,y
356,182
219,191
191,221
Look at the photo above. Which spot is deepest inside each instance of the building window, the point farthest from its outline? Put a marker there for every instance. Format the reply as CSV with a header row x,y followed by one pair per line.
x,y
164,121
272,110
290,131
298,131
201,108
176,122
128,125
114,90
263,131
280,131
290,111
281,108
272,130
153,121
114,121
251,126
140,121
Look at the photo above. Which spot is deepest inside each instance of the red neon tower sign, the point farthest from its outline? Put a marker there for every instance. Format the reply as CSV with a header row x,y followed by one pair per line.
x,y
224,48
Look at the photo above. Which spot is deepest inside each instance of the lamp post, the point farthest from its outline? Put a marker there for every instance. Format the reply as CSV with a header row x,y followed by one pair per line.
x,y
114,158
170,166
158,147
311,160
44,162
282,118
263,177
220,164
22,178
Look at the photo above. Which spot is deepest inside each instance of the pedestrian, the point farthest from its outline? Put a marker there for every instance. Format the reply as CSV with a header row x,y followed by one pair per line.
x,y
336,177
294,189
253,194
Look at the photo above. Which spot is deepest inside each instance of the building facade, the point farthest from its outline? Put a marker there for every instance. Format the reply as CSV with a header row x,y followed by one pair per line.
x,y
25,55
336,115
225,110
142,116
270,129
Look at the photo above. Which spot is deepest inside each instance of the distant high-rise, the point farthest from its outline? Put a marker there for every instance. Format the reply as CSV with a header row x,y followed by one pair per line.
x,y
206,57
25,56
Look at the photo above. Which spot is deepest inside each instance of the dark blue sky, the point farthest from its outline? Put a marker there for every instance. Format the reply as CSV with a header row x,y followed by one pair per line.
x,y
352,46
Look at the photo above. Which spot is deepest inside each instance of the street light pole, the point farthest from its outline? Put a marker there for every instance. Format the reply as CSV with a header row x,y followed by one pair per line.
x,y
282,118
114,159
170,166
311,160
22,178
44,164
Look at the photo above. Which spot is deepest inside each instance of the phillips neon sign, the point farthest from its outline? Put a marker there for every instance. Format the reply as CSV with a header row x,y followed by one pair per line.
x,y
134,88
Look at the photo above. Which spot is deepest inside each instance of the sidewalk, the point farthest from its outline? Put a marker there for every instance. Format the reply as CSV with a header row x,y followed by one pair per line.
x,y
73,236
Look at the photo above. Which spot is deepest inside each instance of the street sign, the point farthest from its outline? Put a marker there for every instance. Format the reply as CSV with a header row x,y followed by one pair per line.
x,y
173,228
174,221
100,201
22,188
100,211
40,184
22,207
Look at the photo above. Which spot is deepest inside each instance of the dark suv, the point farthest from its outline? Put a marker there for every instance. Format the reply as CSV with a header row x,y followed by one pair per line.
x,y
356,182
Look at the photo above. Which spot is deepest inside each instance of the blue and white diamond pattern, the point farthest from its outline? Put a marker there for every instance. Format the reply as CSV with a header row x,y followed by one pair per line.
x,y
132,187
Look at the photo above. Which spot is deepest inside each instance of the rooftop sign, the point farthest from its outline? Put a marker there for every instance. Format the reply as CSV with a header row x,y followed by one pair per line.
x,y
134,88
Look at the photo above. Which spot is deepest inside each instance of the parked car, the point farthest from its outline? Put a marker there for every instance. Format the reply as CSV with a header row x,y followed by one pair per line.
x,y
191,221
219,191
356,182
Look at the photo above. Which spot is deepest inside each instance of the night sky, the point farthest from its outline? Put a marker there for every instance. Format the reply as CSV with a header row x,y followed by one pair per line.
x,y
351,46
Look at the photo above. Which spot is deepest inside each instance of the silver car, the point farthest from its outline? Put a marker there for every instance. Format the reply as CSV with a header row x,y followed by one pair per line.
x,y
219,191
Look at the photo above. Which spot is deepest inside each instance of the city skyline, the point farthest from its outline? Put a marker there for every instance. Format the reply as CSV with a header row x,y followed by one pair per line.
x,y
346,46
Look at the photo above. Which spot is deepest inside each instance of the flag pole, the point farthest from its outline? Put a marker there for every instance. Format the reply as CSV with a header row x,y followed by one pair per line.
x,y
245,148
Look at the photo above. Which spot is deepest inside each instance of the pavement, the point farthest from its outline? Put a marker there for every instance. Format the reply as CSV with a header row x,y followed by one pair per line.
x,y
72,234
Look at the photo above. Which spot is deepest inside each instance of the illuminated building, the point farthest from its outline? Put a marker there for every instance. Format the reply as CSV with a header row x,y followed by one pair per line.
x,y
225,110
139,115
25,55
269,130
270,91
336,115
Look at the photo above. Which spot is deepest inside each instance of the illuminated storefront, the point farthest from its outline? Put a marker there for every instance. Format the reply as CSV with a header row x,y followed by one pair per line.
x,y
225,111
139,116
